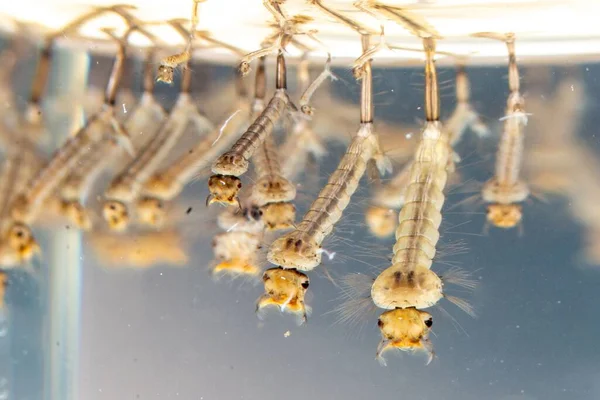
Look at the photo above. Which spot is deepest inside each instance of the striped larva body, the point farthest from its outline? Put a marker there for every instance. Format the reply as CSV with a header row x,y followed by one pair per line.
x,y
235,162
506,189
168,183
128,185
225,184
418,230
301,248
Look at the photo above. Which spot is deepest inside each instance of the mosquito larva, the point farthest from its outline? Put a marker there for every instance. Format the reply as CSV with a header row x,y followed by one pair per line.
x,y
168,64
301,248
224,184
380,215
74,189
127,186
305,99
506,189
169,182
409,284
28,203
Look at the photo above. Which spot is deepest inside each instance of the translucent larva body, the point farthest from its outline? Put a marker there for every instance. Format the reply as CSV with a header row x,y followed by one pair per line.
x,y
301,248
506,188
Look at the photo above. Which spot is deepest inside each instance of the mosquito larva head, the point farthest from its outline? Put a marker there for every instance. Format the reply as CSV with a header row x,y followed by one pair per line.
x,y
150,211
404,329
278,216
357,72
236,267
244,68
504,215
21,242
398,288
230,164
165,74
284,289
307,110
272,189
290,251
223,189
116,215
381,221
162,187
77,214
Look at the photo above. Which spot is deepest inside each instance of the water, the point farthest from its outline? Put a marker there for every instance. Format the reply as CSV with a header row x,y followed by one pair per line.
x,y
88,331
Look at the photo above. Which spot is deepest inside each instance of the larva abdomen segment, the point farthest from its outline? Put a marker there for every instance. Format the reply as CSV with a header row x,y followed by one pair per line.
x,y
327,209
236,161
419,234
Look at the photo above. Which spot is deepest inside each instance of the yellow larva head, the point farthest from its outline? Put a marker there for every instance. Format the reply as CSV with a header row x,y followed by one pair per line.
x,y
277,216
165,74
21,242
223,189
284,289
77,214
504,215
382,221
116,215
236,267
150,211
404,329
291,252
244,68
395,287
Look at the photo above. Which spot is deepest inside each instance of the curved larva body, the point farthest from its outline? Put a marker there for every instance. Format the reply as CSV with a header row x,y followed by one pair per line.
x,y
506,187
235,162
27,204
168,183
409,281
300,248
145,120
127,185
